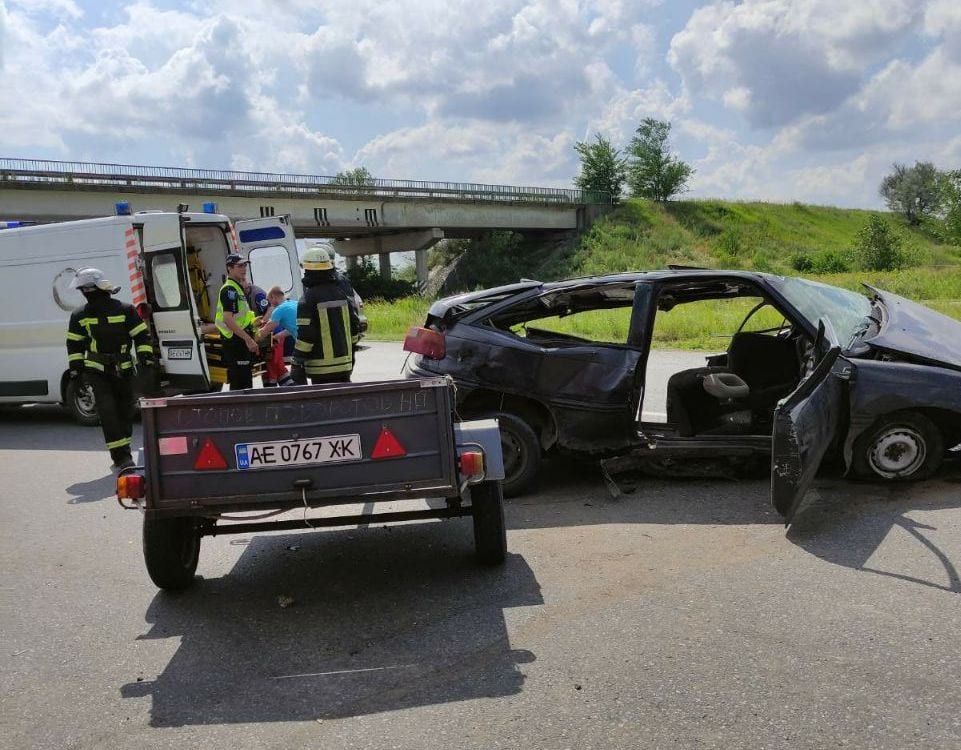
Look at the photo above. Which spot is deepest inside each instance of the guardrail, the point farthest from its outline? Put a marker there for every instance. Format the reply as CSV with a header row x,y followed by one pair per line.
x,y
93,176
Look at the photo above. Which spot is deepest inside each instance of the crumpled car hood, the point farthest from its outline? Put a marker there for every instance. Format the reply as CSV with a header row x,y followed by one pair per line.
x,y
918,331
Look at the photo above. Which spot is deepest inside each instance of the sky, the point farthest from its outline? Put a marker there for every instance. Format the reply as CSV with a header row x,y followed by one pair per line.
x,y
776,100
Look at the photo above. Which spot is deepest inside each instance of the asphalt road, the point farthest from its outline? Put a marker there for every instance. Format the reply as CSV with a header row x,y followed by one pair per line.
x,y
681,615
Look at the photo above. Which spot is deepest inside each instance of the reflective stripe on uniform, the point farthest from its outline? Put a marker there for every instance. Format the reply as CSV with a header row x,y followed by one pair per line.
x,y
327,367
139,328
244,317
118,443
75,337
74,357
116,318
145,349
303,346
126,365
87,322
93,365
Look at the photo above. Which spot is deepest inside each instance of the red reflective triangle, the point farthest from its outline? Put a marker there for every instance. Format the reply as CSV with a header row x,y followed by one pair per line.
x,y
209,457
387,446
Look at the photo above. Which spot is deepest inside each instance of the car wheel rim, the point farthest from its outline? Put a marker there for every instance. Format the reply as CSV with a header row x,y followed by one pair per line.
x,y
86,404
897,452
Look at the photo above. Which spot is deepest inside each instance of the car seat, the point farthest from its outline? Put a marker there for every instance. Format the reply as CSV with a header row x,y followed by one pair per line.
x,y
703,401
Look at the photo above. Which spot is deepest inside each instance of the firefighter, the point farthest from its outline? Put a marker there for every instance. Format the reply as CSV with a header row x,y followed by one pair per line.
x,y
326,324
235,321
101,337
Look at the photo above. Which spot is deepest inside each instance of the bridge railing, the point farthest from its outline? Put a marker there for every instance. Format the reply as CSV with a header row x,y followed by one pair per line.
x,y
94,176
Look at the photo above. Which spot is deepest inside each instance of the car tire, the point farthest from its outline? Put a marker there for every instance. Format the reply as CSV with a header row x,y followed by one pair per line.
x,y
490,535
171,550
901,447
80,402
522,453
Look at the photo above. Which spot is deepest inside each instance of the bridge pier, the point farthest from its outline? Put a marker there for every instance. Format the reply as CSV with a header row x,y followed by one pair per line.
x,y
384,266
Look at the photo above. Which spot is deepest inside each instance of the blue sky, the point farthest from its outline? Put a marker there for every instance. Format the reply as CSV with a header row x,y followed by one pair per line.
x,y
781,100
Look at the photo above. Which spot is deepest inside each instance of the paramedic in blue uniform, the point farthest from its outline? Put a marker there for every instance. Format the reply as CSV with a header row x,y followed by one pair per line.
x,y
102,337
234,321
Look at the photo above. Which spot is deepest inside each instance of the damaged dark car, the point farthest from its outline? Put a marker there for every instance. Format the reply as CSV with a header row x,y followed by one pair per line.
x,y
803,371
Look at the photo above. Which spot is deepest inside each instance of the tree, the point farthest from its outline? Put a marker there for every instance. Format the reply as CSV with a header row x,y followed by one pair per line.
x,y
912,192
602,167
652,171
356,176
950,191
877,247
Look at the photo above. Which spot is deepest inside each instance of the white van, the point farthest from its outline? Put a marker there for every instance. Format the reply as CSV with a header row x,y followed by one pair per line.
x,y
170,266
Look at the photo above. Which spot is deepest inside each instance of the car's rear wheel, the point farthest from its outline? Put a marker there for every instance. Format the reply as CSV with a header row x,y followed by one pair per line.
x,y
899,447
522,453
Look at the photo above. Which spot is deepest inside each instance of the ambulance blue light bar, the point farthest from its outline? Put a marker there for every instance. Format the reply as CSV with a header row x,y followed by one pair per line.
x,y
210,208
123,208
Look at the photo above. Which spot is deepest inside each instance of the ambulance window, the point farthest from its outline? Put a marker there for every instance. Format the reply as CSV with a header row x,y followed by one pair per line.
x,y
166,281
270,266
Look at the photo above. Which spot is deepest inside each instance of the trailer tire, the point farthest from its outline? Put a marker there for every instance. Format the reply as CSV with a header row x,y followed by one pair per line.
x,y
80,402
171,550
490,534
522,453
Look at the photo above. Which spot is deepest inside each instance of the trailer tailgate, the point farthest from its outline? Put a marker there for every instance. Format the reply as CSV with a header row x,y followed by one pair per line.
x,y
317,445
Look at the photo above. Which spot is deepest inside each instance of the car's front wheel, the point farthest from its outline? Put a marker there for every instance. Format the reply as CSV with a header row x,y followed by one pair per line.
x,y
899,447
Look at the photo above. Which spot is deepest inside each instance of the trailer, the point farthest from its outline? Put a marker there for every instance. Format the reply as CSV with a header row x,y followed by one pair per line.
x,y
239,463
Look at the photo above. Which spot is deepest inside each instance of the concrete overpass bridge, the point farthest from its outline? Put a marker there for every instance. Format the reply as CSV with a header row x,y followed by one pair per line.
x,y
377,217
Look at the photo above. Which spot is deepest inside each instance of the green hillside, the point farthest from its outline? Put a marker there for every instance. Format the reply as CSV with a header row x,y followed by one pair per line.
x,y
763,236
795,239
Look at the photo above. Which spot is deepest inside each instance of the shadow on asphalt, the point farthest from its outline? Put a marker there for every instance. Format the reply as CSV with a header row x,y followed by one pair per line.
x,y
330,625
94,490
846,524
48,427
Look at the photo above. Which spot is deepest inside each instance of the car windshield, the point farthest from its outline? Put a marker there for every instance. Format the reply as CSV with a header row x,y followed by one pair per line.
x,y
845,310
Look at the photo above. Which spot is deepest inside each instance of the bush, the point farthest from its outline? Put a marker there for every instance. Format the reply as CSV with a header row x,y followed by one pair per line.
x,y
877,247
369,284
802,263
830,261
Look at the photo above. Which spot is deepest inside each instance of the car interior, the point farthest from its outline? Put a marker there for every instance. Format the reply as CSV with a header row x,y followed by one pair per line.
x,y
736,392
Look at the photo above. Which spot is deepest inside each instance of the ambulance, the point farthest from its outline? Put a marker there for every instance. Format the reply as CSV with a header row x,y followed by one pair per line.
x,y
170,266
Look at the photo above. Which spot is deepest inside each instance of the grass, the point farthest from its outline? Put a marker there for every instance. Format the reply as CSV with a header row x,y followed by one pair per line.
x,y
717,234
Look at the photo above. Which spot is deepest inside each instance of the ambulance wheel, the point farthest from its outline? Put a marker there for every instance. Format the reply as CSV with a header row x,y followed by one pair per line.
x,y
490,535
80,402
171,549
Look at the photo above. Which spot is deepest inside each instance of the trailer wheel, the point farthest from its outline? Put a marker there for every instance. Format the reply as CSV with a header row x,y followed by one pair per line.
x,y
900,447
522,453
490,536
171,549
80,402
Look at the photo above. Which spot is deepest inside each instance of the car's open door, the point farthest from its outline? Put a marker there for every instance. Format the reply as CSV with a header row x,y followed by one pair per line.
x,y
271,247
805,425
174,314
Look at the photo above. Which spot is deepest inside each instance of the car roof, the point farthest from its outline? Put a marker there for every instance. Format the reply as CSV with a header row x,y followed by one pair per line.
x,y
484,297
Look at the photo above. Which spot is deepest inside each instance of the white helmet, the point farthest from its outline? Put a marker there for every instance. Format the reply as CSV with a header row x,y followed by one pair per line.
x,y
88,279
318,258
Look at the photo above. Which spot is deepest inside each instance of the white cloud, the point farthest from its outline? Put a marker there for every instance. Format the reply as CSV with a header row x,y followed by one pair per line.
x,y
787,58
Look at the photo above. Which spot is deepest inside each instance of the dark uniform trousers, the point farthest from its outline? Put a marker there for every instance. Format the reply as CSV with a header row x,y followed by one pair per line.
x,y
240,363
101,339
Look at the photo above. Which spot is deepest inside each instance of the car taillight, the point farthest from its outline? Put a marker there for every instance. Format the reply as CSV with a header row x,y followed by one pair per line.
x,y
143,310
130,486
426,342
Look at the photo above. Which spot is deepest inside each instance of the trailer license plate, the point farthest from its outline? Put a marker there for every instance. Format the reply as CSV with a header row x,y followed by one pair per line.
x,y
319,450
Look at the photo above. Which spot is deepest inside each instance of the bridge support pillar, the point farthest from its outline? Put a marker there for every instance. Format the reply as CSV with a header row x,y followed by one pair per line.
x,y
385,266
420,263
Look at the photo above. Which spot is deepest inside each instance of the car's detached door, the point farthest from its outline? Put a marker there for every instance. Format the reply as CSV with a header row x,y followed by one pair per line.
x,y
805,425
